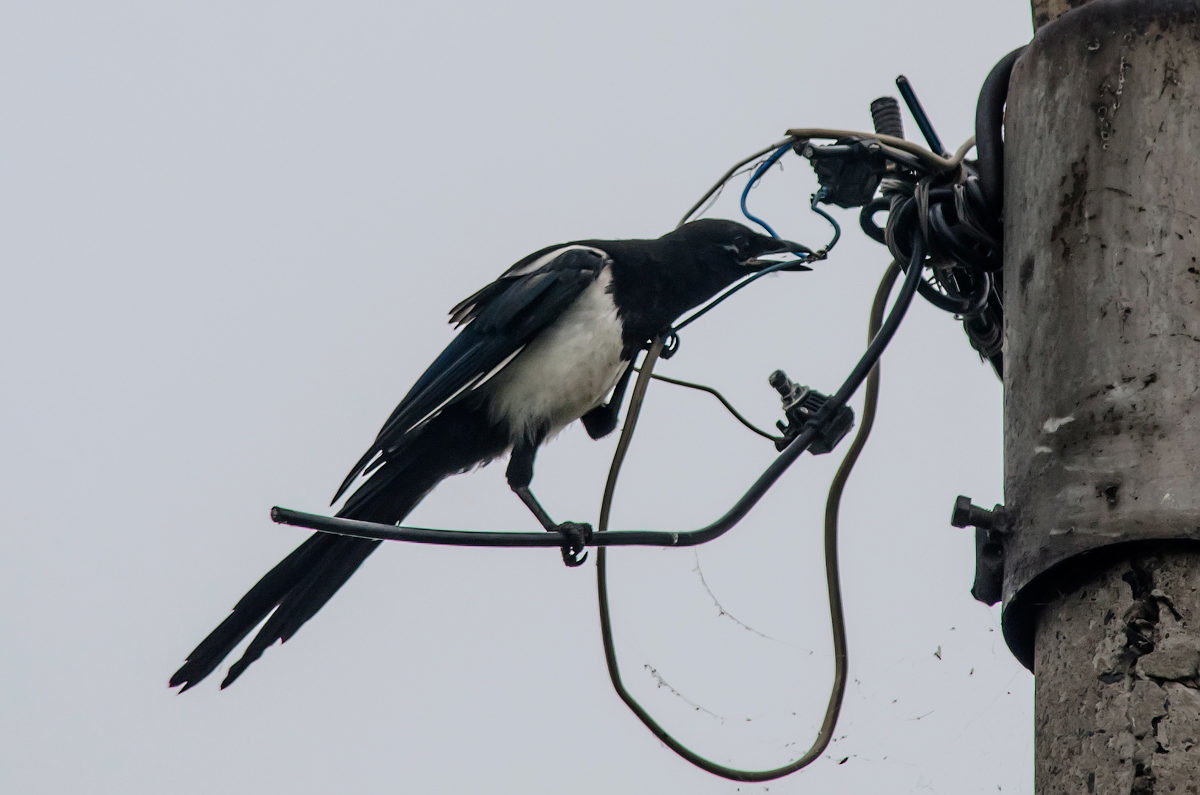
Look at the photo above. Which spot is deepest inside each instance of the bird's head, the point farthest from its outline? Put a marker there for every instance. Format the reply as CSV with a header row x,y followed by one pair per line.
x,y
656,281
734,247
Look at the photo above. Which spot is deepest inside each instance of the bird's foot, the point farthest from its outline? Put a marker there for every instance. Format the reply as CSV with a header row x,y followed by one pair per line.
x,y
578,533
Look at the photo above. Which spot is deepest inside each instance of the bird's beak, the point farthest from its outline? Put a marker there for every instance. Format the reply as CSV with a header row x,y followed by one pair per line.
x,y
760,261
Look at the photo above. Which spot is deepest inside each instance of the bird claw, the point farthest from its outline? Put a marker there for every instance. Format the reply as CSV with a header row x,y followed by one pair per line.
x,y
579,534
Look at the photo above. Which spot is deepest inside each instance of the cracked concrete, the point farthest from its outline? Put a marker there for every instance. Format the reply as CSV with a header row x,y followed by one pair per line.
x,y
1117,670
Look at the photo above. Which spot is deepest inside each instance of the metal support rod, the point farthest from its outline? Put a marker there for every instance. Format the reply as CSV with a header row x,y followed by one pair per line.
x,y
1102,392
661,538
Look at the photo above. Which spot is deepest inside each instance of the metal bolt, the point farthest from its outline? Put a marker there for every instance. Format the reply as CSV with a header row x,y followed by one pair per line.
x,y
968,514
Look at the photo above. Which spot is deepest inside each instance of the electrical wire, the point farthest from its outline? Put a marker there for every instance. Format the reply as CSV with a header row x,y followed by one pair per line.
x,y
833,586
800,135
920,116
899,225
989,130
746,282
941,213
916,221
737,415
934,162
837,229
819,254
661,538
728,175
950,212
762,169
881,333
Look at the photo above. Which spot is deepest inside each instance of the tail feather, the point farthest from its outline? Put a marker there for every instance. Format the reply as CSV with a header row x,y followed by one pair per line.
x,y
300,584
291,593
304,600
310,560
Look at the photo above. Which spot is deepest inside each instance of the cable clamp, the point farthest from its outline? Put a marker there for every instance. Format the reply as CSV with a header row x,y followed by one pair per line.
x,y
804,407
848,170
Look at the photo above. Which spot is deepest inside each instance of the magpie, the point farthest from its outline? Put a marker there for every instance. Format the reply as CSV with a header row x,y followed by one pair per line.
x,y
539,348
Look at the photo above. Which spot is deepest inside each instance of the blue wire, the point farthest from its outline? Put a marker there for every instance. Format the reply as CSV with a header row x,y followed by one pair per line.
x,y
762,169
816,197
837,230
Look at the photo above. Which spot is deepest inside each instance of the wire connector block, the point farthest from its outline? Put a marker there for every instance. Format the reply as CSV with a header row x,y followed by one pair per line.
x,y
802,407
849,170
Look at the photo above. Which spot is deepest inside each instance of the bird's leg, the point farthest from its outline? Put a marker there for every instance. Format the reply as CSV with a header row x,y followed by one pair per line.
x,y
520,475
602,420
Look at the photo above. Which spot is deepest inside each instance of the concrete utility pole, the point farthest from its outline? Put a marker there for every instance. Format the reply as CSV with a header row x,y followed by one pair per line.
x,y
1102,392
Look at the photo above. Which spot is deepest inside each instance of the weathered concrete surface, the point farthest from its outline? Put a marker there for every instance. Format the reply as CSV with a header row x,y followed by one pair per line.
x,y
1118,680
1102,392
1045,11
1102,291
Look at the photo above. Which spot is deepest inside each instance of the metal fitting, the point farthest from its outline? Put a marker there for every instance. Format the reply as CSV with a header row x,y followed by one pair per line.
x,y
991,529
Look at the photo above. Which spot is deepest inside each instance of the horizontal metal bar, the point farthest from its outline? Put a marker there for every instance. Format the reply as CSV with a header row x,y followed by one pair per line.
x,y
611,538
470,538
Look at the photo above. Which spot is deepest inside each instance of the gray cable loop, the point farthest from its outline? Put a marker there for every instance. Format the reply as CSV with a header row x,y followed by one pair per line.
x,y
836,614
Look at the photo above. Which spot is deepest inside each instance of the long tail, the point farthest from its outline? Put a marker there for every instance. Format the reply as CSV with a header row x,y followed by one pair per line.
x,y
295,590
300,584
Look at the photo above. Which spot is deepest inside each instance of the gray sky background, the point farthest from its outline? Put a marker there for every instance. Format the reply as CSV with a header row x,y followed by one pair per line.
x,y
230,234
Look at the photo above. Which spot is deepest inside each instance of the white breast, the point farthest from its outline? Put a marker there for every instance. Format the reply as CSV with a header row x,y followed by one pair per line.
x,y
566,370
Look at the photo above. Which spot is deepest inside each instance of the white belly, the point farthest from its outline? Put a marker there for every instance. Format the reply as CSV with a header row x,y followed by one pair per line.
x,y
567,370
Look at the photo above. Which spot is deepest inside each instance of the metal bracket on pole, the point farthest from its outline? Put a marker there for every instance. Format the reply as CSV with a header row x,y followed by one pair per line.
x,y
991,528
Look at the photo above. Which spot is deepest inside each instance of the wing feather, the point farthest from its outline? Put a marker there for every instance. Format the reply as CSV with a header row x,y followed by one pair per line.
x,y
498,321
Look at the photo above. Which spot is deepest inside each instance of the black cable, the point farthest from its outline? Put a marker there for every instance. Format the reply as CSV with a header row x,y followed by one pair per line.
x,y
737,415
989,131
659,538
836,615
866,218
920,116
951,298
947,211
916,228
938,210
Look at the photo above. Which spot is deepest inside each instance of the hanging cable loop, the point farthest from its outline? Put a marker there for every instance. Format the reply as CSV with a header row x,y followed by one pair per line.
x,y
876,333
938,216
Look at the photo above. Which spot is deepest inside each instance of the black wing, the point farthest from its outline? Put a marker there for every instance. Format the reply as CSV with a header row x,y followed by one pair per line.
x,y
499,320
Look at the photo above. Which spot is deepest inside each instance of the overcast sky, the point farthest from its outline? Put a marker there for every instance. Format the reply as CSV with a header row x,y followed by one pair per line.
x,y
230,233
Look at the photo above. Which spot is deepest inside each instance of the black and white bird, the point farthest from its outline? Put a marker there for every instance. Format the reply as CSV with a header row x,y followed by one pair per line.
x,y
540,347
